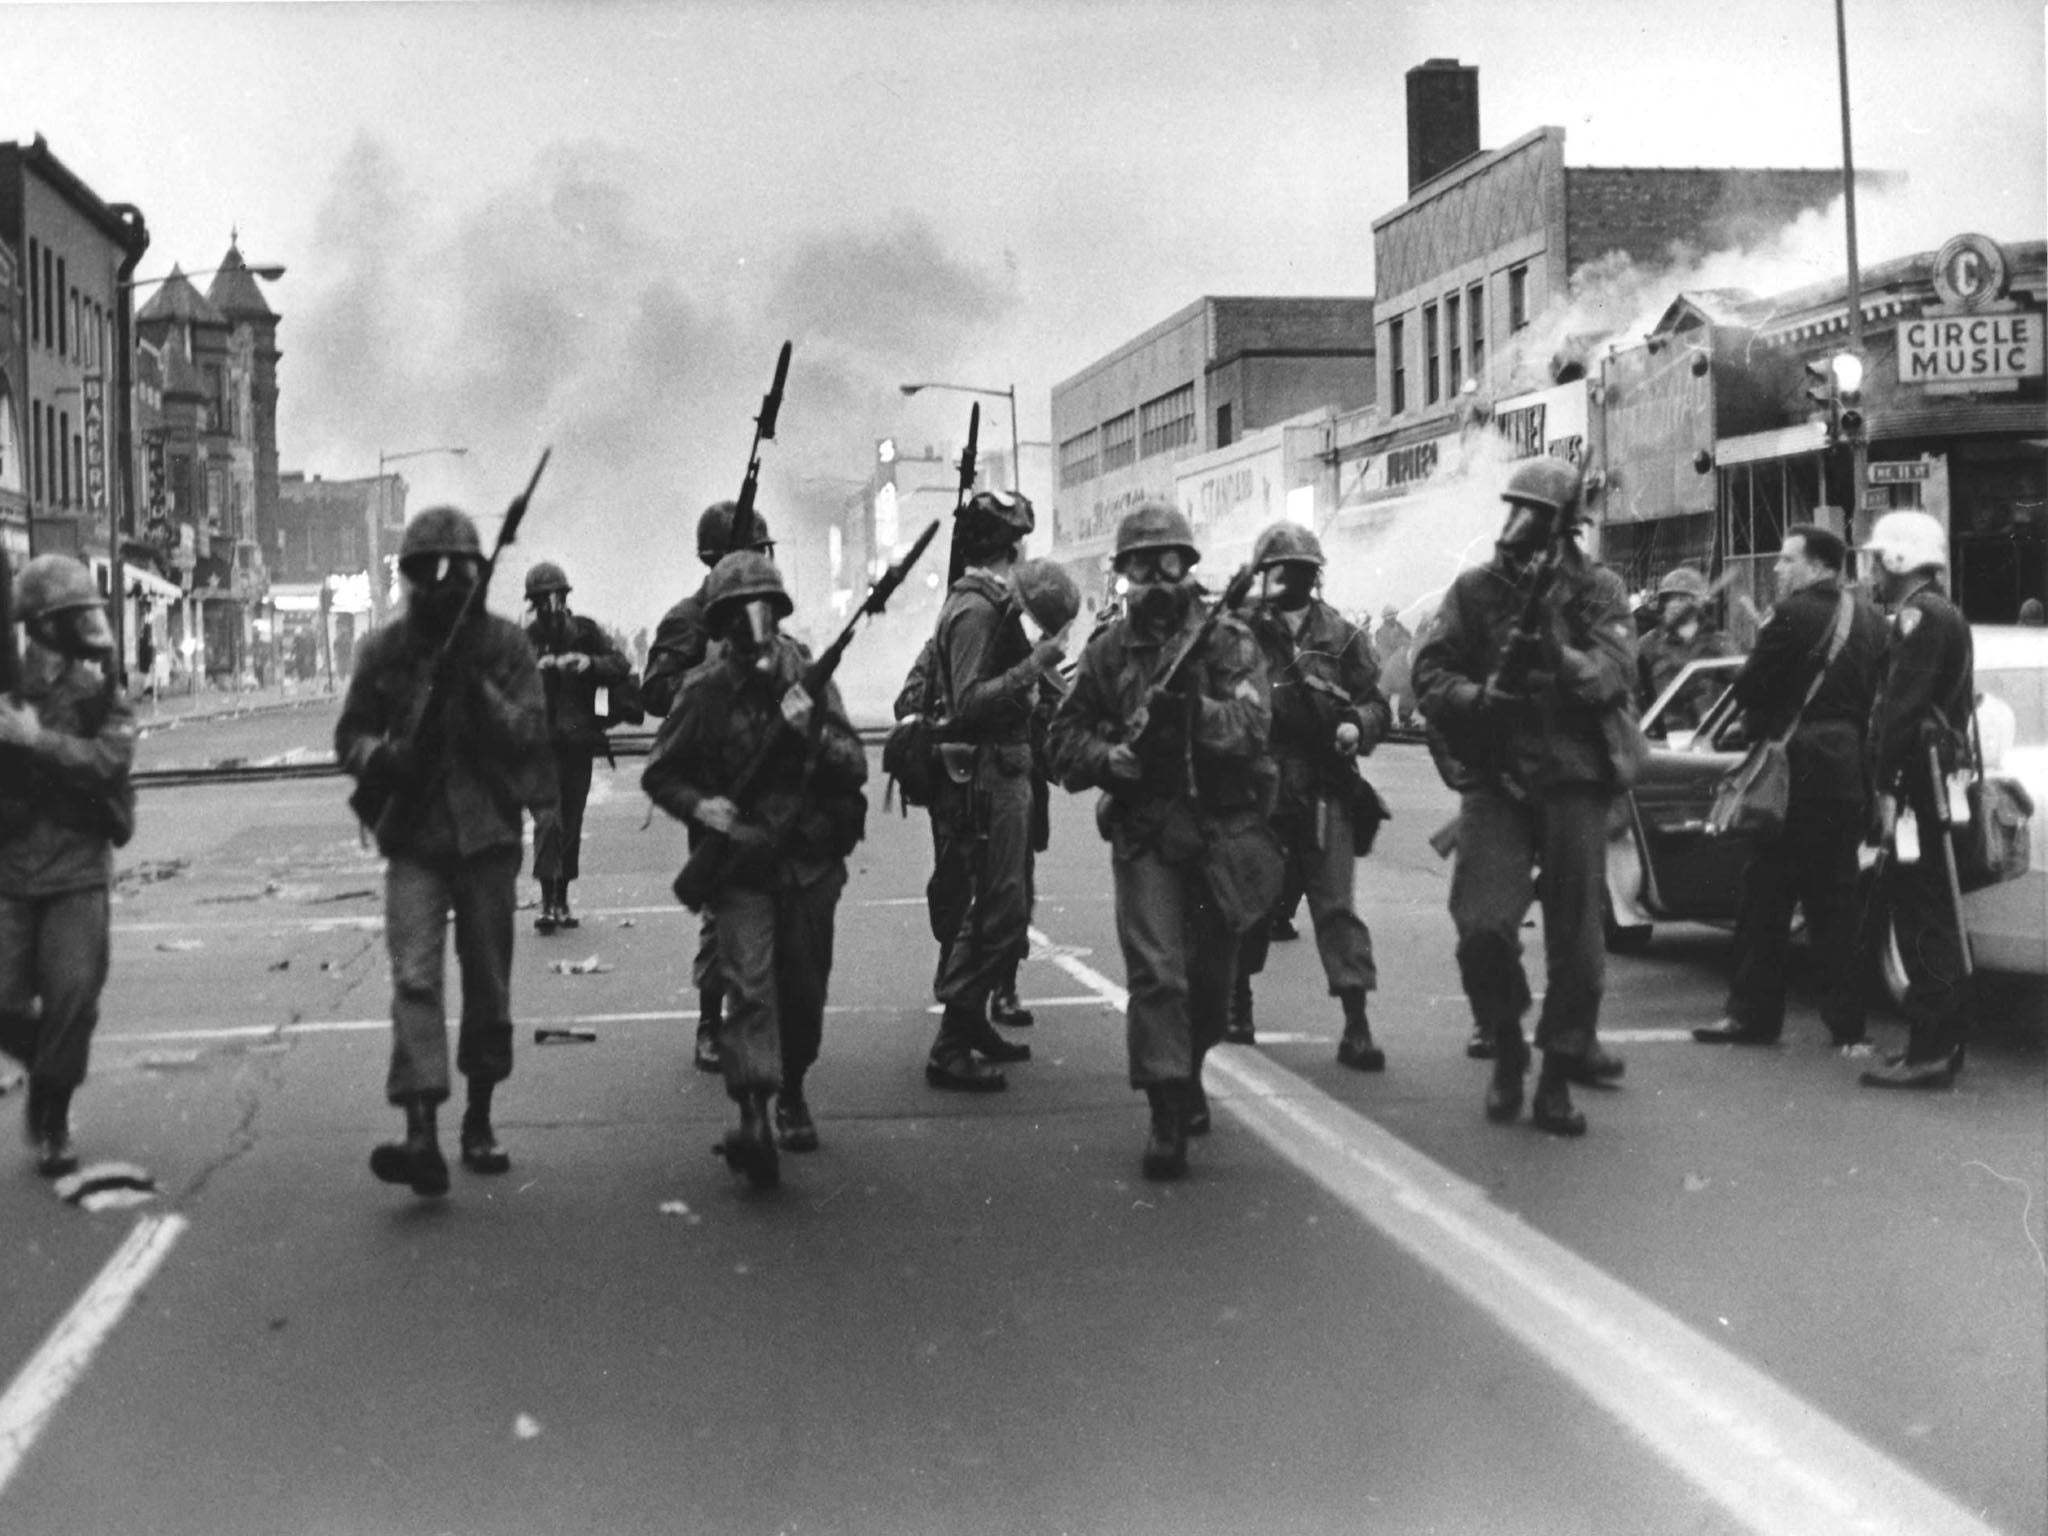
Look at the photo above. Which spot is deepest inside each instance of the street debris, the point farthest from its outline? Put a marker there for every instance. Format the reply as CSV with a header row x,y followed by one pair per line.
x,y
679,1208
526,1426
589,966
282,965
106,1187
180,946
625,922
1694,1183
166,1061
149,871
546,1035
363,895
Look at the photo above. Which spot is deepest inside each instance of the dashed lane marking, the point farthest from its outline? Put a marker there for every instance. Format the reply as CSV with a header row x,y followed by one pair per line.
x,y
32,1397
1773,1462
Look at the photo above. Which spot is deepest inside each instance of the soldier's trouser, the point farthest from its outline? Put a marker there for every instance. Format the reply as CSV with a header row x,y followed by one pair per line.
x,y
1499,842
52,948
558,839
483,893
948,891
1938,1002
775,948
998,915
1180,961
1811,861
1324,874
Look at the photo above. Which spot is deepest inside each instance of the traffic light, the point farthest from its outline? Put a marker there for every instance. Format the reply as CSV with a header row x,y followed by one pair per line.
x,y
1820,389
1848,374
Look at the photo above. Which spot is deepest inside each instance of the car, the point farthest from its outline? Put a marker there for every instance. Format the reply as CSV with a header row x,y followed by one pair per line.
x,y
1663,865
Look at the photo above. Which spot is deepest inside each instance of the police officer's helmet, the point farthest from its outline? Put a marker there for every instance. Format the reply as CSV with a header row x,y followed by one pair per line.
x,y
53,584
1544,482
1683,581
1390,614
1047,592
440,531
714,532
1287,542
1909,541
546,577
1155,525
744,576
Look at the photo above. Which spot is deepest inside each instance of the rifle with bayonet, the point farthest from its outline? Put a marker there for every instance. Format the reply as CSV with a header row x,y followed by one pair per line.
x,y
1162,748
743,536
375,792
956,558
705,870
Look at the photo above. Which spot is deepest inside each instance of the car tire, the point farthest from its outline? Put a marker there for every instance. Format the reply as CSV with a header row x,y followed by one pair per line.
x,y
1623,938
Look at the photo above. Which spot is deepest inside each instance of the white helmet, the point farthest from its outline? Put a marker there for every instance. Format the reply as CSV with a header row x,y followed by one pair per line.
x,y
1908,541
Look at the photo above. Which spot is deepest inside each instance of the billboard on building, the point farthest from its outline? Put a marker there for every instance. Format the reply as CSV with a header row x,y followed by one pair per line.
x,y
1231,494
1659,417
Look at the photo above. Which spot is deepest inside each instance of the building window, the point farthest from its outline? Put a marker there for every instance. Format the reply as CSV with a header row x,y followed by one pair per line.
x,y
63,336
1518,297
1432,374
1223,433
35,291
1397,355
1168,422
1454,338
1119,442
50,265
59,450
1077,459
347,546
78,464
1475,317
35,450
77,330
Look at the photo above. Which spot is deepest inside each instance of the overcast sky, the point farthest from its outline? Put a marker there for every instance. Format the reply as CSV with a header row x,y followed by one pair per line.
x,y
509,224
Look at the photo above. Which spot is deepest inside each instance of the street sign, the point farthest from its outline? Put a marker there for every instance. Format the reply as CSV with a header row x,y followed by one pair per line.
x,y
1900,473
96,442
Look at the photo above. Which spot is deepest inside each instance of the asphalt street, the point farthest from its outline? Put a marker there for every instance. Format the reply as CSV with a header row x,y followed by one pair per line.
x,y
1751,1284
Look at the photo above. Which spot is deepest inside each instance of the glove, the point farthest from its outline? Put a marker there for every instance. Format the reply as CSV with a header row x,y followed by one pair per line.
x,y
1166,722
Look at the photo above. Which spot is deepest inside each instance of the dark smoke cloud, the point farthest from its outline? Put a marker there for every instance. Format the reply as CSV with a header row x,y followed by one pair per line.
x,y
564,309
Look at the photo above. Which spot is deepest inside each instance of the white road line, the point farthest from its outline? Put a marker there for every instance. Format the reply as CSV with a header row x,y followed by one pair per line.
x,y
1775,1463
32,1397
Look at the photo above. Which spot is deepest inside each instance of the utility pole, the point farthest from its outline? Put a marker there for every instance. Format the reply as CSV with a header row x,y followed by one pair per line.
x,y
1859,448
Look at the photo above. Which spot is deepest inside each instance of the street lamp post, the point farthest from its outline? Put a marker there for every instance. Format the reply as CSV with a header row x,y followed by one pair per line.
x,y
1858,446
381,516
1010,394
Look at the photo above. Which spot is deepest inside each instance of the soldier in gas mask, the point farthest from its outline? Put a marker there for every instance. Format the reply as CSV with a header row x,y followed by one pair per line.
x,y
1327,713
680,645
776,902
67,743
1182,772
450,834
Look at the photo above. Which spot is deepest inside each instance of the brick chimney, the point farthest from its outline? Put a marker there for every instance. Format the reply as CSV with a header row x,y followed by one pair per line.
x,y
1443,118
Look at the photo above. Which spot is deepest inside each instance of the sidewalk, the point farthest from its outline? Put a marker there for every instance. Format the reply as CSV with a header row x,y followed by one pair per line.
x,y
212,702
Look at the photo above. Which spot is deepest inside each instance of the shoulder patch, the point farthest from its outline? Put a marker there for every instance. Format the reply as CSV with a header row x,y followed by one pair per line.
x,y
1908,620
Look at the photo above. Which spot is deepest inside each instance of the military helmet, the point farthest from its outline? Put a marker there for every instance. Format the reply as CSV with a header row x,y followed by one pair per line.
x,y
1683,581
1156,525
1908,541
546,577
1391,614
1007,510
714,532
440,531
1544,482
1047,592
53,584
1284,542
740,577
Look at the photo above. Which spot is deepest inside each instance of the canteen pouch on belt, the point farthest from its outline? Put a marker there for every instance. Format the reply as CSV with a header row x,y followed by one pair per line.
x,y
1245,866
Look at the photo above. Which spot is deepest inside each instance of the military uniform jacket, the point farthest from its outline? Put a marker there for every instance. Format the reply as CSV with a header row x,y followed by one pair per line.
x,y
1230,721
1661,656
572,696
982,665
67,799
681,641
1321,678
1576,724
1927,695
719,721
1827,750
492,757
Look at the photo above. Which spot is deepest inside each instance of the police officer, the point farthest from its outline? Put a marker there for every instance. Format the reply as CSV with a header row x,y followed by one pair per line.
x,y
1185,775
1917,740
789,838
1682,635
67,743
1327,712
576,659
1537,760
680,643
449,829
987,676
1812,858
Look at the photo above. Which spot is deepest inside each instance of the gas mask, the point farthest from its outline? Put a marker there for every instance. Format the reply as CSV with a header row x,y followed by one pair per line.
x,y
1681,617
1527,531
78,634
1159,594
1289,585
440,586
750,631
551,611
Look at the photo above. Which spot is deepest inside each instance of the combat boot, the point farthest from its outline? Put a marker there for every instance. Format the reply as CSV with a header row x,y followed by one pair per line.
x,y
564,918
1504,1091
478,1144
1195,1118
964,1021
544,923
49,1128
1551,1109
1356,1049
710,1019
1237,1023
794,1127
1166,1147
417,1160
1598,1068
750,1149
1003,1006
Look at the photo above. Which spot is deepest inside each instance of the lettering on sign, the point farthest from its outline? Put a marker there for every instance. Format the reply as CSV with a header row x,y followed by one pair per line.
x,y
1523,430
1406,466
1969,349
96,442
1901,473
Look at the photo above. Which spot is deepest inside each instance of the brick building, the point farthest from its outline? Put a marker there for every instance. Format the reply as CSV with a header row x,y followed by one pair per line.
x,y
328,542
